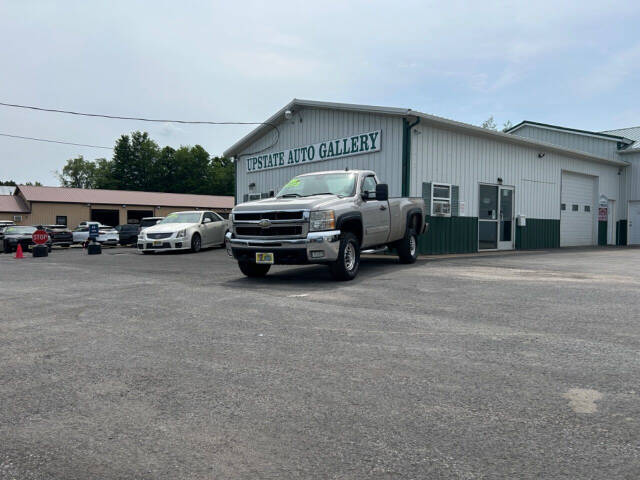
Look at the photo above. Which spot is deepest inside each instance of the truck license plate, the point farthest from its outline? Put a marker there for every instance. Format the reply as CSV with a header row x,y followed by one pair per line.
x,y
266,257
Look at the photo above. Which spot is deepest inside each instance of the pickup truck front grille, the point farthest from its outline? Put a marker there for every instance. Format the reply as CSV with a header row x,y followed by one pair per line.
x,y
274,231
286,215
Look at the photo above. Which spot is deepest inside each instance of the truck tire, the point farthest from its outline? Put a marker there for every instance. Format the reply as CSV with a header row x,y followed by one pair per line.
x,y
408,247
251,269
348,262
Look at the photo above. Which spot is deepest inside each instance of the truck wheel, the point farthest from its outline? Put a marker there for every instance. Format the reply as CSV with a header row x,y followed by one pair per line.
x,y
251,269
408,247
348,263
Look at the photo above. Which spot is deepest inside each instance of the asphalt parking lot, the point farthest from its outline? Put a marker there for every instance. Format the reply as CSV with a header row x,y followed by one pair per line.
x,y
175,366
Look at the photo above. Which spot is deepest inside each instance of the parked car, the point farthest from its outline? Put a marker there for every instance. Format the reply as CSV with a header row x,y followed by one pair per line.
x,y
128,233
147,222
325,217
191,230
60,235
106,235
15,235
4,224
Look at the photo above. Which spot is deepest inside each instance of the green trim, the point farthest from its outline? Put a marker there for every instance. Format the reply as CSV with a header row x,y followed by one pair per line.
x,y
621,232
539,233
406,154
605,136
449,235
602,233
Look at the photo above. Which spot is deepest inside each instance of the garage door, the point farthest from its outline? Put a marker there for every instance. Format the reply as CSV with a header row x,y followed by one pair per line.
x,y
577,210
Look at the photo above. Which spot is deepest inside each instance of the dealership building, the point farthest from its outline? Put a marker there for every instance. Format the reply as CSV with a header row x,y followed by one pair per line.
x,y
30,205
534,186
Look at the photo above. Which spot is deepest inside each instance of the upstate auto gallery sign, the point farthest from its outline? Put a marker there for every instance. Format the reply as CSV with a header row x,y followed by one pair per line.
x,y
327,150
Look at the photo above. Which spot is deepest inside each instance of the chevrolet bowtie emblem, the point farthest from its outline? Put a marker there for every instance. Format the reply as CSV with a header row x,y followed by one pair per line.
x,y
264,223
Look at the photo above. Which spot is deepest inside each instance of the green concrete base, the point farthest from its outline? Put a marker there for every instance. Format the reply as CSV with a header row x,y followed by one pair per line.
x,y
538,233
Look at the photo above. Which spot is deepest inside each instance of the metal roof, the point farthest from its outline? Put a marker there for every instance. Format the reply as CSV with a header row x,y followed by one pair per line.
x,y
441,122
632,133
603,135
12,204
123,197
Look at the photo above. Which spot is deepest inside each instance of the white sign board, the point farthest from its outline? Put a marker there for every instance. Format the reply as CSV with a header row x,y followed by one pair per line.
x,y
327,150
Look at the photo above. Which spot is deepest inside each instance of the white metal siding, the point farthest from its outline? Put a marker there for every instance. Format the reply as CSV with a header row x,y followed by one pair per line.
x,y
310,126
577,228
574,141
448,156
632,175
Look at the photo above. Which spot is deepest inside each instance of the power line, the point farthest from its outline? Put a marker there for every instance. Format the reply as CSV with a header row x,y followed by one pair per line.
x,y
53,141
154,120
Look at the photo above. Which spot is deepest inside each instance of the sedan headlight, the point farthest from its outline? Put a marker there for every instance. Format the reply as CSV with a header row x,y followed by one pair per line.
x,y
322,220
181,233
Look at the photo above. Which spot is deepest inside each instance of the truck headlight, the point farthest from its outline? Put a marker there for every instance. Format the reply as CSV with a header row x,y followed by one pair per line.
x,y
322,220
181,233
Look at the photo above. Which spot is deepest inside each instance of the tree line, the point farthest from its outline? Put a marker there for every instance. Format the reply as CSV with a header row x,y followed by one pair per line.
x,y
11,183
138,163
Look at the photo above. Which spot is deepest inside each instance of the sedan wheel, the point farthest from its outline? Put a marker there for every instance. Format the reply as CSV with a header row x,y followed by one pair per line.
x,y
196,243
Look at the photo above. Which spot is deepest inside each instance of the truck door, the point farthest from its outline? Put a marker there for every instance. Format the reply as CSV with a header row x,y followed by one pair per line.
x,y
375,215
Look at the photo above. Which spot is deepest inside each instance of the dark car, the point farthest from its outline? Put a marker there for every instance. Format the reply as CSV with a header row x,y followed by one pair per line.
x,y
15,235
149,222
4,225
59,234
128,233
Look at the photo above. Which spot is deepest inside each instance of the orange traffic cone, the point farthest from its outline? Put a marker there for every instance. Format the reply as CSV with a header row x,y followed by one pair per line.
x,y
19,252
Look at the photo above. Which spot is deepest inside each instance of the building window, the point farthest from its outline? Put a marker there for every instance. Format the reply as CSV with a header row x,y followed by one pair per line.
x,y
575,208
587,208
441,199
563,206
61,220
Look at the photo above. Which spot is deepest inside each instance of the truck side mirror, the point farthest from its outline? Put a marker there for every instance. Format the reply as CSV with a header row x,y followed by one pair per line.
x,y
382,192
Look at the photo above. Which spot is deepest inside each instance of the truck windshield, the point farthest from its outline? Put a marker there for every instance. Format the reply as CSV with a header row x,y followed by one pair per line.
x,y
341,184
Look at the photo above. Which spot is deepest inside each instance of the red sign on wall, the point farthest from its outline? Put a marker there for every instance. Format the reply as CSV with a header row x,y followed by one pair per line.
x,y
602,214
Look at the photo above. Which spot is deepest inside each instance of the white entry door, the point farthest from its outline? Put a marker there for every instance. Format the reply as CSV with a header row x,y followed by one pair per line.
x,y
634,223
577,210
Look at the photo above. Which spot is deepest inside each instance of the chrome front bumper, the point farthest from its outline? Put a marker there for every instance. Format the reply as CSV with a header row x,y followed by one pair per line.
x,y
319,247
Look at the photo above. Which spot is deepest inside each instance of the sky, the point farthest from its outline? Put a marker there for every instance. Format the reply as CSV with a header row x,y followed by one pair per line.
x,y
575,64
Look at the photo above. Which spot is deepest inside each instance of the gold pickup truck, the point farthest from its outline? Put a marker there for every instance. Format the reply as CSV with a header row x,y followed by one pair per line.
x,y
325,217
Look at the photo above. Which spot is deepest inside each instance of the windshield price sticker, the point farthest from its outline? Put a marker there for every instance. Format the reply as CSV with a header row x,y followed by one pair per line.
x,y
327,150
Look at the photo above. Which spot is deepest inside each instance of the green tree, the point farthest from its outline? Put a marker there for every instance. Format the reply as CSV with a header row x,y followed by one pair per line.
x,y
133,161
139,164
507,125
78,173
8,183
221,180
489,124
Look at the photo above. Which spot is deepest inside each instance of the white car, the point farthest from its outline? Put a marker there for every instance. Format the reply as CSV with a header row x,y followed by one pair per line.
x,y
184,231
106,235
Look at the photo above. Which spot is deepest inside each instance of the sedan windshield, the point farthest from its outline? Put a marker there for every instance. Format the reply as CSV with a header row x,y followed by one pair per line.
x,y
185,217
19,230
341,184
